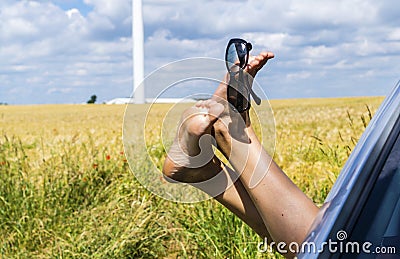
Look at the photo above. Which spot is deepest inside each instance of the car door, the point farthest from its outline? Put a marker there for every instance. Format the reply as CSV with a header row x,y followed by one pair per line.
x,y
361,215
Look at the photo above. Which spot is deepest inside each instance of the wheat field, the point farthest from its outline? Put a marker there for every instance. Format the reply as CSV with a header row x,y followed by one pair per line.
x,y
67,190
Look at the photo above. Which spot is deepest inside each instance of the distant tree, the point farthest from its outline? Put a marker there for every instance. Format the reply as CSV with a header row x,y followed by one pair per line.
x,y
92,99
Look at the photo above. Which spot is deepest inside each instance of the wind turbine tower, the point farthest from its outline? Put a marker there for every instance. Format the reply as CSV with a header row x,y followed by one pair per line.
x,y
138,51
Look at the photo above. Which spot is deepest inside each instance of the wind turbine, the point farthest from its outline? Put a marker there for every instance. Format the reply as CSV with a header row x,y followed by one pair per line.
x,y
138,51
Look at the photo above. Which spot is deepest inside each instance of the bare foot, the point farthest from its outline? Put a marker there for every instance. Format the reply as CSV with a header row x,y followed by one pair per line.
x,y
255,64
230,123
192,148
191,155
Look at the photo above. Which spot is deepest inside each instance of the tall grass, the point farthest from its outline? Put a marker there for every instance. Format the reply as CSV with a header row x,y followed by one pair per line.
x,y
66,190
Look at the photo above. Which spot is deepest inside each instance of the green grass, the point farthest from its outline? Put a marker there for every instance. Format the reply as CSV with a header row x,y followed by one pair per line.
x,y
67,192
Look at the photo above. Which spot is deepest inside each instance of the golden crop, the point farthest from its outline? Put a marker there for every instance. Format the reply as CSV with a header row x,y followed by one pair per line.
x,y
67,191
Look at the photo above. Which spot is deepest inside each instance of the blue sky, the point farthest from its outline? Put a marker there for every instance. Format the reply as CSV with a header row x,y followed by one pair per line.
x,y
63,51
66,5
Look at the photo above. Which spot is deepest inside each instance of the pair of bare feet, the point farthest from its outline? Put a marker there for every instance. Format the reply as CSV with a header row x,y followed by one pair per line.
x,y
262,195
204,125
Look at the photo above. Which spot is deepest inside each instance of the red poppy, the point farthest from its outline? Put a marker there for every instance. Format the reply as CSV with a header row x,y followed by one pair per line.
x,y
108,157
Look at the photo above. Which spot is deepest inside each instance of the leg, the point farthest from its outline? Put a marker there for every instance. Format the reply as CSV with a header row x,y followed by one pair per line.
x,y
196,123
286,211
275,206
235,198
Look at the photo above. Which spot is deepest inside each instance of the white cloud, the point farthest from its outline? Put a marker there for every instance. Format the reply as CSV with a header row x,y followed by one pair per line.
x,y
299,75
53,51
60,90
116,9
394,34
320,46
